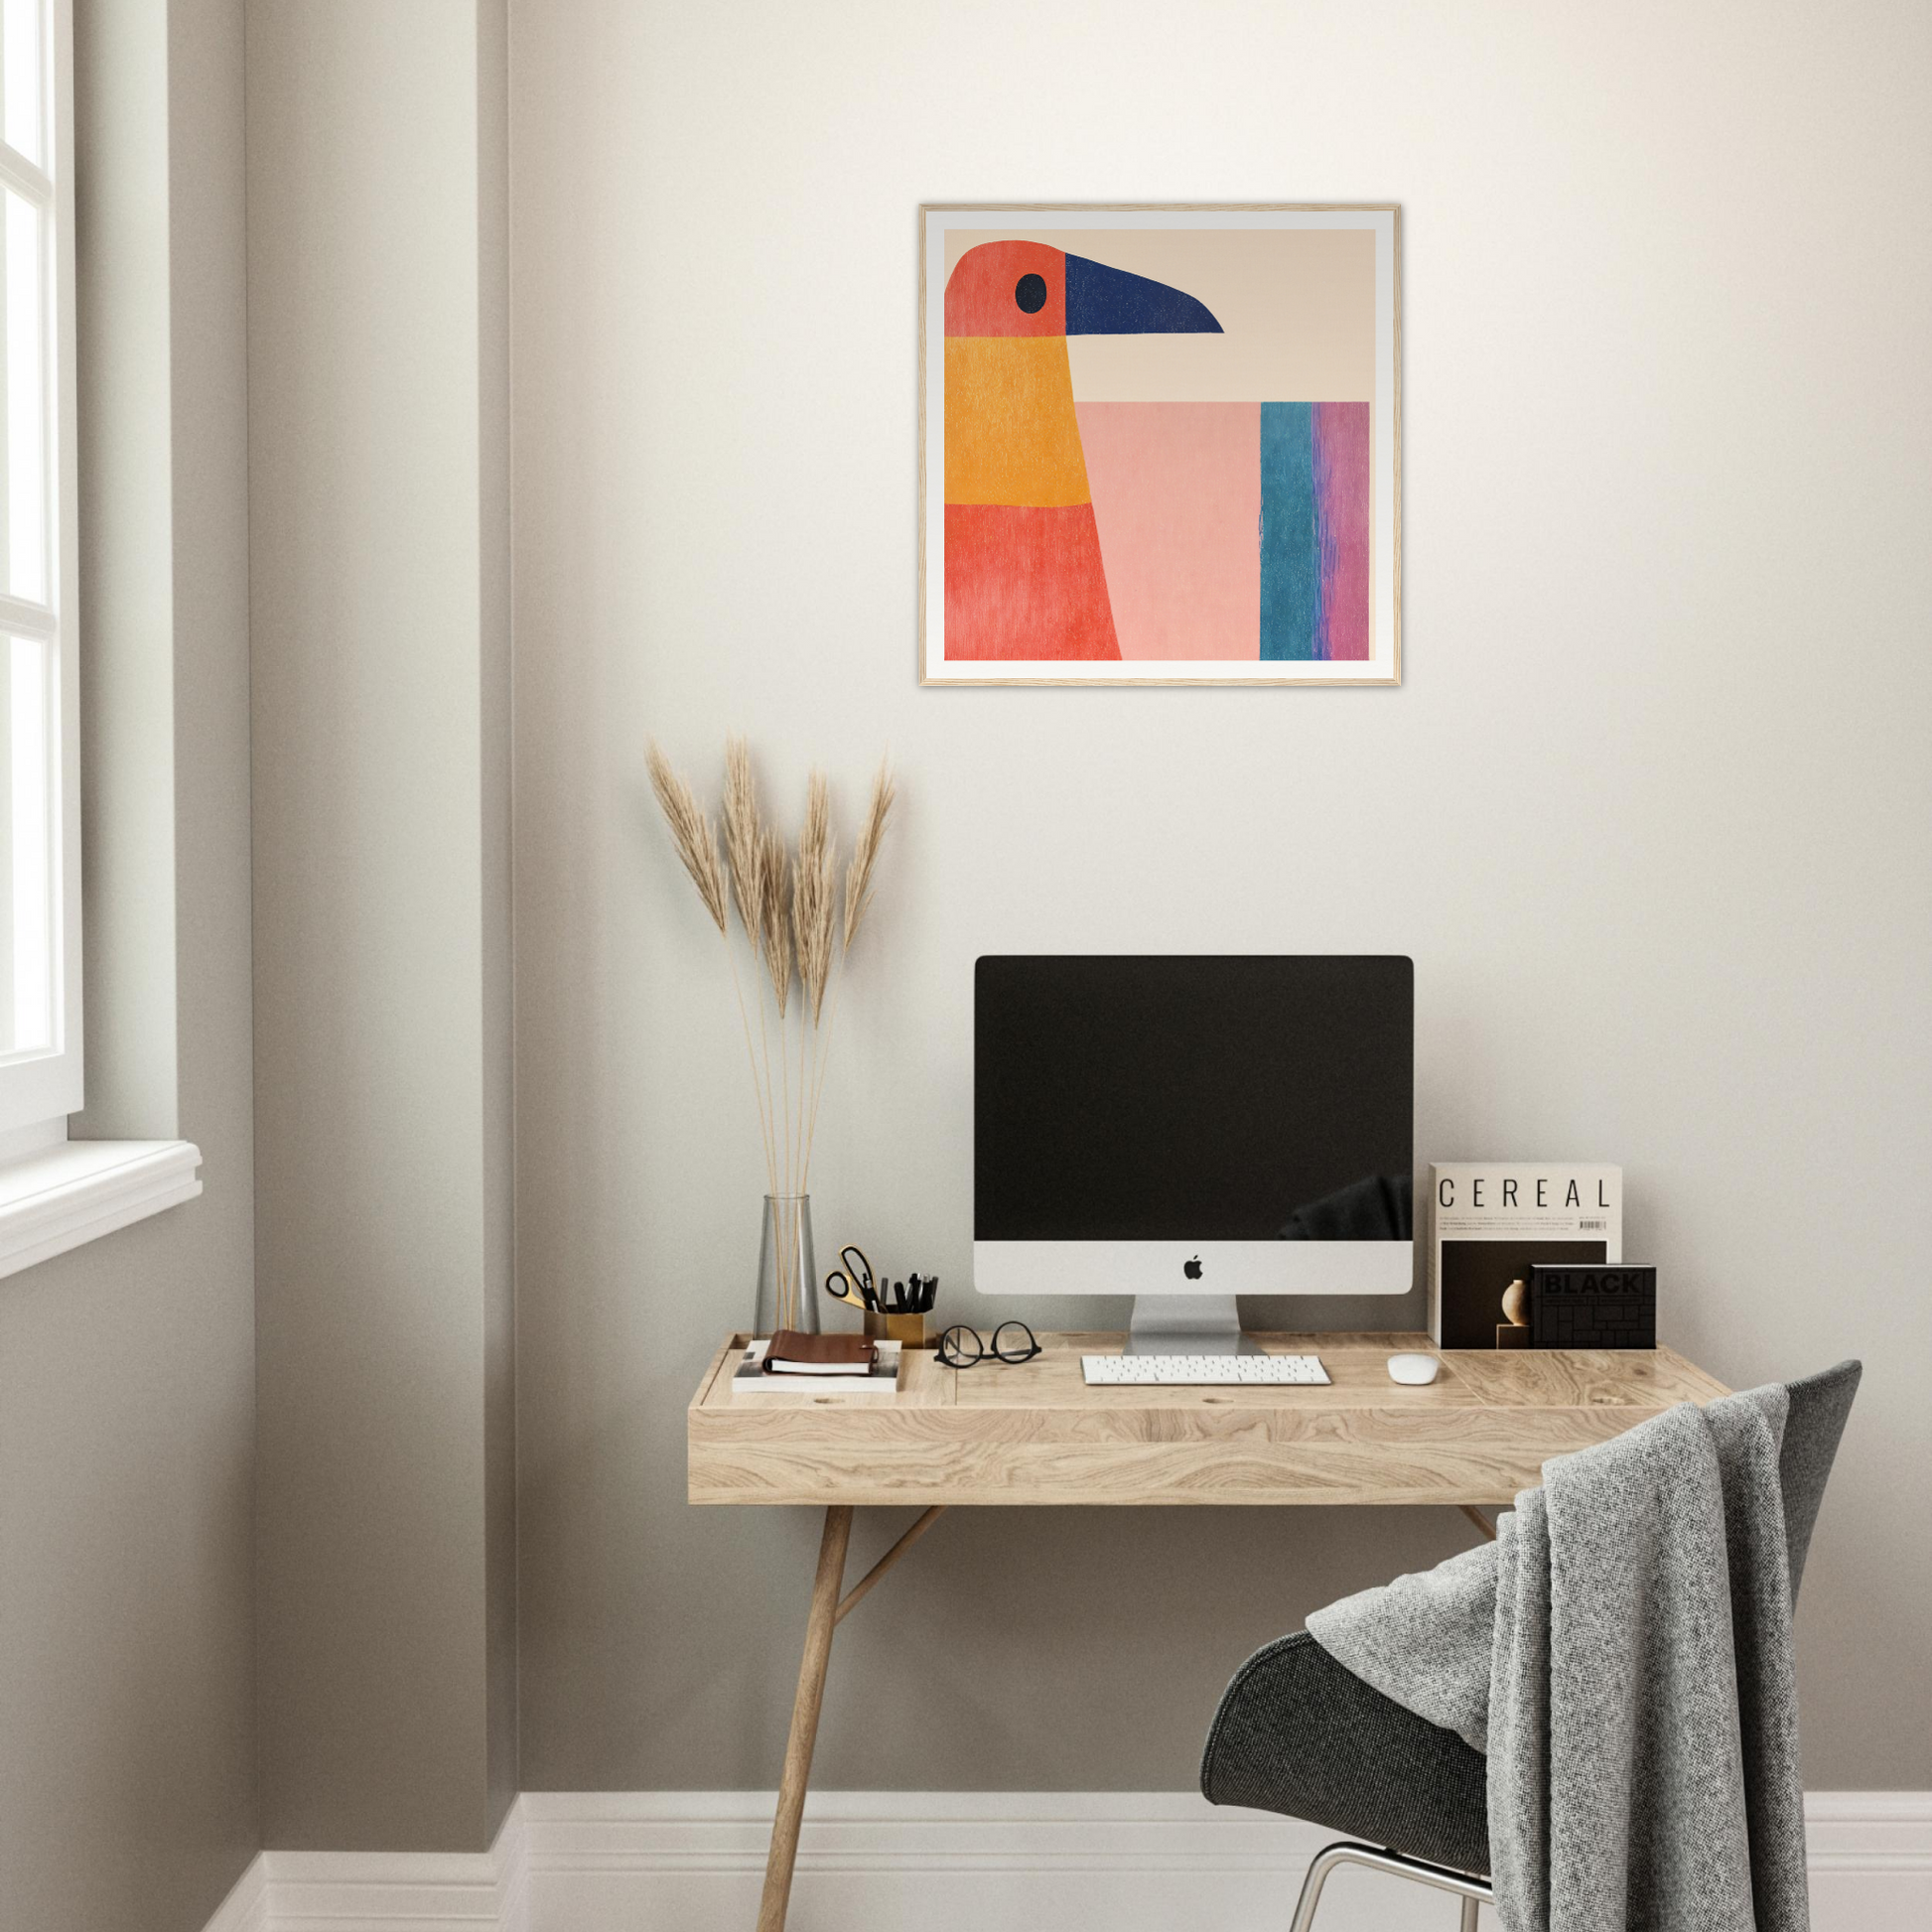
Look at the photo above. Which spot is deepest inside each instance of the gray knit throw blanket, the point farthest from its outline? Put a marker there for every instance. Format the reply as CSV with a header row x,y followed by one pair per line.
x,y
1622,1652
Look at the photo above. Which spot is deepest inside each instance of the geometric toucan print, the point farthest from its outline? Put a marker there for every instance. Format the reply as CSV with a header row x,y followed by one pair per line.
x,y
1094,530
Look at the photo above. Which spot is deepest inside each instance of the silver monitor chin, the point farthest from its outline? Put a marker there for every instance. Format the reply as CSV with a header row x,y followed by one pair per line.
x,y
1183,1297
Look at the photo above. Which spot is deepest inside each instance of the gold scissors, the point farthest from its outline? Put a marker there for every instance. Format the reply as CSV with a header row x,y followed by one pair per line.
x,y
853,1281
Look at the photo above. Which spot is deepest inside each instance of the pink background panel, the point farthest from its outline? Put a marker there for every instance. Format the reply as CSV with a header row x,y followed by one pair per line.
x,y
1177,495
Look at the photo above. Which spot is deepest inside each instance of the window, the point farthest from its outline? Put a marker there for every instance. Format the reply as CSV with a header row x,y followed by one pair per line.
x,y
55,1193
40,846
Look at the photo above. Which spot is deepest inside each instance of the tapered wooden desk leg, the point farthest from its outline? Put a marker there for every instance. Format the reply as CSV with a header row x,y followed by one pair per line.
x,y
804,1719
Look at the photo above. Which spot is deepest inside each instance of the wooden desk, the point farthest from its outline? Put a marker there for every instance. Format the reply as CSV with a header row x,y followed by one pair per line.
x,y
1032,1433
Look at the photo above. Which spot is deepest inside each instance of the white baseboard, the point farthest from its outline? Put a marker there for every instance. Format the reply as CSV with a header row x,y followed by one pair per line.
x,y
384,1891
954,1862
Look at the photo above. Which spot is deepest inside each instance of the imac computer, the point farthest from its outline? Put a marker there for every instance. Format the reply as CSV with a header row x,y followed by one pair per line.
x,y
1186,1129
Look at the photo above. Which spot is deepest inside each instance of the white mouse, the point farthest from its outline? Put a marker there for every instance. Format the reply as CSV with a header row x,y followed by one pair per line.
x,y
1415,1369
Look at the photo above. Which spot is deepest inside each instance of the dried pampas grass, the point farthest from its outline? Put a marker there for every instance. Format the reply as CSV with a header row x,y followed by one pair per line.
x,y
865,852
743,848
774,917
814,896
691,832
787,909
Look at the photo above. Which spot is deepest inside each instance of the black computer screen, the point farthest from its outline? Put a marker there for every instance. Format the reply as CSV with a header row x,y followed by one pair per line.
x,y
1219,1098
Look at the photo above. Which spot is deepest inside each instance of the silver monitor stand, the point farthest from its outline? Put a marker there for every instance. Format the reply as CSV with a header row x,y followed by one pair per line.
x,y
1187,1324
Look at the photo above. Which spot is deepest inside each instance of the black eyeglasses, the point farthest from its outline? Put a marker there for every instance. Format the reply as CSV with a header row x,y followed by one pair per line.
x,y
1013,1341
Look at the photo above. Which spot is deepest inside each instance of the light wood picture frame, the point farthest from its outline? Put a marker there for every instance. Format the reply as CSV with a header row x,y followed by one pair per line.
x,y
1159,443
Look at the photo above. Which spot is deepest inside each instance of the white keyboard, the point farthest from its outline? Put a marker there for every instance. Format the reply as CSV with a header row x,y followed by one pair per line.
x,y
1201,1371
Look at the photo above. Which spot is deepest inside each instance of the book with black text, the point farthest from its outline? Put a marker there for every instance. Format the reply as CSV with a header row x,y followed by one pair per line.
x,y
1490,1221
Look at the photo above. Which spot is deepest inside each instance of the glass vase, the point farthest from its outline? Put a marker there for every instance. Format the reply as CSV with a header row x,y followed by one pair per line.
x,y
787,1271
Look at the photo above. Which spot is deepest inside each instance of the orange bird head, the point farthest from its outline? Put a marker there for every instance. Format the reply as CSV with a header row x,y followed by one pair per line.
x,y
1025,288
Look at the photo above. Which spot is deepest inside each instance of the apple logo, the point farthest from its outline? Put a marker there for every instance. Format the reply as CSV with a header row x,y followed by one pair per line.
x,y
1192,1269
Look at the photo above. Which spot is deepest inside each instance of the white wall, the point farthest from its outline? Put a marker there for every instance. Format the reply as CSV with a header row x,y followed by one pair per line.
x,y
1650,810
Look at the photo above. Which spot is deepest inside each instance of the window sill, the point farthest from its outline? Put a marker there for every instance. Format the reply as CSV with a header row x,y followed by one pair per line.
x,y
79,1191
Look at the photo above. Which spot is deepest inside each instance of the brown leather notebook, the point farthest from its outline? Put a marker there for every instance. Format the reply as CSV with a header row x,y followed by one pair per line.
x,y
793,1353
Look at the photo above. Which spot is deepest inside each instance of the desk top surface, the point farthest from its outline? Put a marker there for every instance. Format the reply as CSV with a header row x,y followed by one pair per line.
x,y
1034,1433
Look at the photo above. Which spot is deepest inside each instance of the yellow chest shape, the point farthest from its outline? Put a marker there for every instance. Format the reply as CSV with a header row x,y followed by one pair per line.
x,y
1010,433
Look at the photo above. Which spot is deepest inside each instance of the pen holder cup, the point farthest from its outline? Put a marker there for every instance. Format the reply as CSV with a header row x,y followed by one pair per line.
x,y
906,1328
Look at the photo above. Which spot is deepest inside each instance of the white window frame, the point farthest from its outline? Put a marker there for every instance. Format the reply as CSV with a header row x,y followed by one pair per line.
x,y
37,1090
54,1192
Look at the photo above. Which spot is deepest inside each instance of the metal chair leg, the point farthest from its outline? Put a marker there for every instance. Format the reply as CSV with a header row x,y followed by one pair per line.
x,y
1324,1863
1472,1891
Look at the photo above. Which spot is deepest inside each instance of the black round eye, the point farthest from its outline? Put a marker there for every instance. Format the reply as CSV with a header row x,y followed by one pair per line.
x,y
1030,293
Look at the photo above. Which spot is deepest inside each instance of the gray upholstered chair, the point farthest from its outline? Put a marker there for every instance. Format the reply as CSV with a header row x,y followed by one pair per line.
x,y
1299,1733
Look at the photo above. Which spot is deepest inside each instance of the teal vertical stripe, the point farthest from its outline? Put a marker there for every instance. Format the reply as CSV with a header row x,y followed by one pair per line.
x,y
1291,557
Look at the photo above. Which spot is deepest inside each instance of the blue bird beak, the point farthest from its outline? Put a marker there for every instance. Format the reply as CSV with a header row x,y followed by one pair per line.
x,y
1103,301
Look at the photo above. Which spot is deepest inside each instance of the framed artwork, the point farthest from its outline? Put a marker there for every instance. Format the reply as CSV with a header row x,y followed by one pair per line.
x,y
1160,444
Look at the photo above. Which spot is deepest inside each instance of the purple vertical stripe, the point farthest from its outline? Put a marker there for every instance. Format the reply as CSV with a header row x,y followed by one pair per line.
x,y
1341,529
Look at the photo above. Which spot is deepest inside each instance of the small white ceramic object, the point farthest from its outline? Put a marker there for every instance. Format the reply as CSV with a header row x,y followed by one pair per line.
x,y
1414,1369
